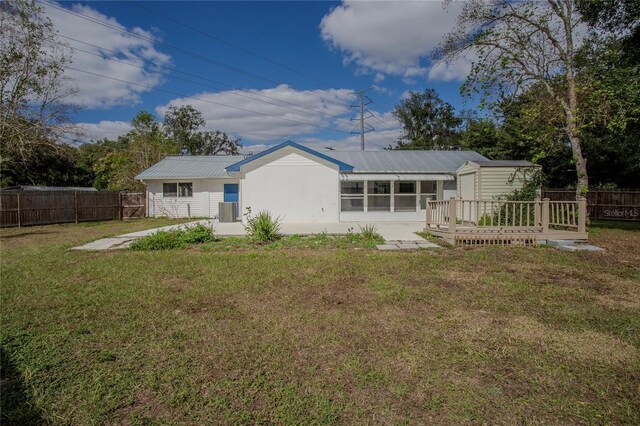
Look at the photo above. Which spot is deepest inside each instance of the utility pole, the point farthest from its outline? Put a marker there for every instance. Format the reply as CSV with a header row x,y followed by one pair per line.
x,y
364,101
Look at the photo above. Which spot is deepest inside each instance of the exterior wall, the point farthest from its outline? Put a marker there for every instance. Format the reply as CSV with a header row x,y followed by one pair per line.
x,y
372,217
215,187
204,203
495,181
292,185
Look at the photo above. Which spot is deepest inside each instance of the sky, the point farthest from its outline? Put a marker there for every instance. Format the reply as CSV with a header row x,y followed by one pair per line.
x,y
264,72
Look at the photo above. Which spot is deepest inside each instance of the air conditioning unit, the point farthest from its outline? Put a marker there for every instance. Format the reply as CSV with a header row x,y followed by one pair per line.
x,y
228,212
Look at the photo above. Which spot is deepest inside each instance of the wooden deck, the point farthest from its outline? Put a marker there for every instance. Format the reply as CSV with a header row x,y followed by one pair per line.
x,y
489,222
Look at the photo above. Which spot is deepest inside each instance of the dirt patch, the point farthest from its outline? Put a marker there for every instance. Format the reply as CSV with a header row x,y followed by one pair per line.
x,y
146,407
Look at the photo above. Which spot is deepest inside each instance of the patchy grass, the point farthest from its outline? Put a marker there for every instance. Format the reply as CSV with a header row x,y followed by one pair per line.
x,y
230,333
324,241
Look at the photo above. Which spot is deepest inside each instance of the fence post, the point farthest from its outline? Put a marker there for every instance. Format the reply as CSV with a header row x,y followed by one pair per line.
x,y
536,214
452,214
75,204
545,215
120,208
582,214
428,207
19,212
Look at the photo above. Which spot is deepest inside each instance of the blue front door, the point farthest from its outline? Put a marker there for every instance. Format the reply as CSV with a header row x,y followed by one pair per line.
x,y
231,195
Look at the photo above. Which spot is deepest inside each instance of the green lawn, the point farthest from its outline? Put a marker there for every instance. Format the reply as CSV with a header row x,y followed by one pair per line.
x,y
338,333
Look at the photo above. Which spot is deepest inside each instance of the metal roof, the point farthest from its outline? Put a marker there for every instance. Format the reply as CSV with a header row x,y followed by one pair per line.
x,y
406,161
343,167
503,163
188,166
401,161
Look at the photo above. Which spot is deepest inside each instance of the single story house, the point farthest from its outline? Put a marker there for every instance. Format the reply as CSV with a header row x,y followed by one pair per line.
x,y
303,185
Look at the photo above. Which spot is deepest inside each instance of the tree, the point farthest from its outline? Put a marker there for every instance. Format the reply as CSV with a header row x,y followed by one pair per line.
x,y
427,121
517,44
181,124
118,162
33,114
217,142
147,143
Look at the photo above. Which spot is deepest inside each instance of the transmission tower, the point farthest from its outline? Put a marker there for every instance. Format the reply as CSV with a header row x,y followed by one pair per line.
x,y
364,127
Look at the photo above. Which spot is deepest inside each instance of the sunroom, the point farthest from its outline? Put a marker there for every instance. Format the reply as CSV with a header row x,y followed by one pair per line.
x,y
386,197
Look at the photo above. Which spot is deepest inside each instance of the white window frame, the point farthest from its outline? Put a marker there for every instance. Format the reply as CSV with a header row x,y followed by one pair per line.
x,y
354,197
413,194
177,184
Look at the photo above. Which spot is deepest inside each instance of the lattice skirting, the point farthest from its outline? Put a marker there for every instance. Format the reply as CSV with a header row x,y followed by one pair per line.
x,y
501,240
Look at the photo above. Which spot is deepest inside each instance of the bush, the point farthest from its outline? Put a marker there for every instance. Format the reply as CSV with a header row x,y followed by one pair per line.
x,y
369,232
178,238
263,228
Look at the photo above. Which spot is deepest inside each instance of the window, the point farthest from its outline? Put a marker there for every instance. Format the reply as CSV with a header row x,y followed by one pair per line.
x,y
173,189
428,189
352,196
379,195
185,189
405,196
169,189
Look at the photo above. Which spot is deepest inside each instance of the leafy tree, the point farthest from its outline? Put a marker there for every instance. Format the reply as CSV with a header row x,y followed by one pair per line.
x,y
217,142
116,163
427,121
181,124
518,44
33,114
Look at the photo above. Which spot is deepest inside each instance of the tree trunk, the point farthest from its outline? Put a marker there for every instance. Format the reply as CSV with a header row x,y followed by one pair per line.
x,y
581,162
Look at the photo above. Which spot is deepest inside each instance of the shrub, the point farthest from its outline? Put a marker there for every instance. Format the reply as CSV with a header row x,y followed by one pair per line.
x,y
369,232
263,228
178,238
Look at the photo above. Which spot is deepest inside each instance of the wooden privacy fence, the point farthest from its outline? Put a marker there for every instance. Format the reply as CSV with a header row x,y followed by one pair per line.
x,y
49,207
610,204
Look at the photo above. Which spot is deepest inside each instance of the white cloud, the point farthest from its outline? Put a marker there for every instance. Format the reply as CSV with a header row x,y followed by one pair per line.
x,y
103,129
386,132
389,37
449,71
285,121
98,92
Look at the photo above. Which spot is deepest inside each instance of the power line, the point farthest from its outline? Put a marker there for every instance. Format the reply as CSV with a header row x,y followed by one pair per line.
x,y
184,51
324,115
227,43
206,100
195,75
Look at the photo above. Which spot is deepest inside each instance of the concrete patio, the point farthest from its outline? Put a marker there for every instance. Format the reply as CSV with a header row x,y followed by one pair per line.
x,y
396,234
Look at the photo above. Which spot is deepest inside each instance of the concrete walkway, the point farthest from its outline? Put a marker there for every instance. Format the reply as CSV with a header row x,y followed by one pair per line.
x,y
392,232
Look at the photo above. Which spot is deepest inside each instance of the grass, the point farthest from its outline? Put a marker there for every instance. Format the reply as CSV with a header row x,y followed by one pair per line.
x,y
316,333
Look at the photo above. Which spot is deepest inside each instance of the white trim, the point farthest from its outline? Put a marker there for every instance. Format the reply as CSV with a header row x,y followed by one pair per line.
x,y
392,177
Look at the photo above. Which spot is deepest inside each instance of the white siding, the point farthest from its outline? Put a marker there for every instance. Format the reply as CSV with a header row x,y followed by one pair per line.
x,y
293,186
204,203
216,194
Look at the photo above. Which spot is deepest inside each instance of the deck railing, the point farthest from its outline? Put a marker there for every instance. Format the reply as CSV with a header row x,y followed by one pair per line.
x,y
534,216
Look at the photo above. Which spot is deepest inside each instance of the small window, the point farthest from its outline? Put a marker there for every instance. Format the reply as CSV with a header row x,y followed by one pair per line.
x,y
352,187
428,189
174,189
379,195
185,189
352,196
405,196
169,189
